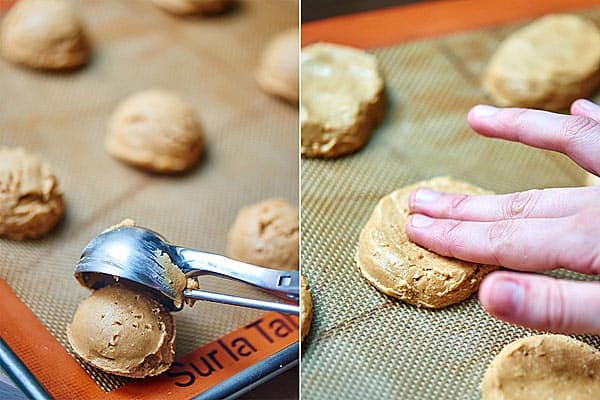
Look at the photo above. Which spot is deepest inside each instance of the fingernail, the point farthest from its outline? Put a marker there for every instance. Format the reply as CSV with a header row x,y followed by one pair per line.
x,y
482,111
508,296
426,196
587,105
421,221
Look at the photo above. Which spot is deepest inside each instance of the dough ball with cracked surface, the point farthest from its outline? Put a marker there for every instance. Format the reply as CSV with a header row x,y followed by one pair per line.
x,y
343,99
31,199
124,332
44,34
189,7
266,234
306,307
155,130
277,73
543,367
401,268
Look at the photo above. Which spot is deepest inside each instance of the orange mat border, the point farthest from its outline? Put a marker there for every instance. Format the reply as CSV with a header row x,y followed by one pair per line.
x,y
388,26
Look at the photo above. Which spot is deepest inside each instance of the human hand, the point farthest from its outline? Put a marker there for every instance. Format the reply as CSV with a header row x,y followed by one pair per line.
x,y
536,230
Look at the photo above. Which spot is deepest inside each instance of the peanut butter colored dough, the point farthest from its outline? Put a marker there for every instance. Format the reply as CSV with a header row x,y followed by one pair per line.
x,y
44,34
547,64
124,332
544,367
402,269
342,99
277,73
188,7
592,180
157,131
31,200
266,234
306,307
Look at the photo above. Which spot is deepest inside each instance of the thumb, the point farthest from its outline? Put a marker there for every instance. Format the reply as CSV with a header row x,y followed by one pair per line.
x,y
541,302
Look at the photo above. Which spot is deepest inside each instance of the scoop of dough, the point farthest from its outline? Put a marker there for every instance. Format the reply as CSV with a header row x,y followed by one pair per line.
x,y
45,34
124,332
400,268
266,234
547,64
187,7
342,99
544,367
277,73
306,307
31,200
157,131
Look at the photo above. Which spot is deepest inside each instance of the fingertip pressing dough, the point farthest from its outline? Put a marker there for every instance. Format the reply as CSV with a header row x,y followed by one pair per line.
x,y
124,332
277,73
306,308
342,102
44,34
188,7
266,234
157,131
31,199
544,367
547,64
400,268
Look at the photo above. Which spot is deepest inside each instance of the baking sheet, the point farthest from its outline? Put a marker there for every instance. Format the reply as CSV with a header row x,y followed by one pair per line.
x,y
364,344
252,149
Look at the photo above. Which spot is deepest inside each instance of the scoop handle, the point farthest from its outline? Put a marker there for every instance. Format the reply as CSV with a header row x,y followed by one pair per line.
x,y
241,301
284,284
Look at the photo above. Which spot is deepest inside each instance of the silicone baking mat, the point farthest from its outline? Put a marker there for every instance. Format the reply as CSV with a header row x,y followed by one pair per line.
x,y
252,149
364,344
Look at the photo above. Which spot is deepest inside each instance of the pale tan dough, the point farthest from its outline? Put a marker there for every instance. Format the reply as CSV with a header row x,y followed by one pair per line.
x,y
402,269
544,367
277,73
343,99
188,7
306,308
266,234
31,199
155,130
124,332
547,64
44,34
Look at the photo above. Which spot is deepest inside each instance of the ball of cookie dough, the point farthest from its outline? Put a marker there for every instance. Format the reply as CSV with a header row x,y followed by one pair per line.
x,y
306,308
157,131
124,332
402,269
544,367
44,34
188,7
547,64
31,200
266,234
342,99
277,73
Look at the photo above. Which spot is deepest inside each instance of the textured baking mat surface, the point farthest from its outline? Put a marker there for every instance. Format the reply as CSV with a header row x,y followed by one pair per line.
x,y
364,344
252,149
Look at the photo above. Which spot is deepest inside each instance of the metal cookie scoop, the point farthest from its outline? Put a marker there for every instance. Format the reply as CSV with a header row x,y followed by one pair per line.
x,y
143,257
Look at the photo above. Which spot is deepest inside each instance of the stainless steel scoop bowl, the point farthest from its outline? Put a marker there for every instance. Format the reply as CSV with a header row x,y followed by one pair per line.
x,y
142,256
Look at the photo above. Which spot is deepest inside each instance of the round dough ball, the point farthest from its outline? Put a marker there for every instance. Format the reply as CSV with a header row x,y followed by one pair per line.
x,y
188,7
44,34
402,269
543,367
266,234
342,99
306,308
547,64
277,73
157,131
124,332
31,200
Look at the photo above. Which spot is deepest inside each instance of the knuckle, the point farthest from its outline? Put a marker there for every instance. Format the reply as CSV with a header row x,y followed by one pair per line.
x,y
451,238
457,204
557,319
499,238
522,204
577,128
